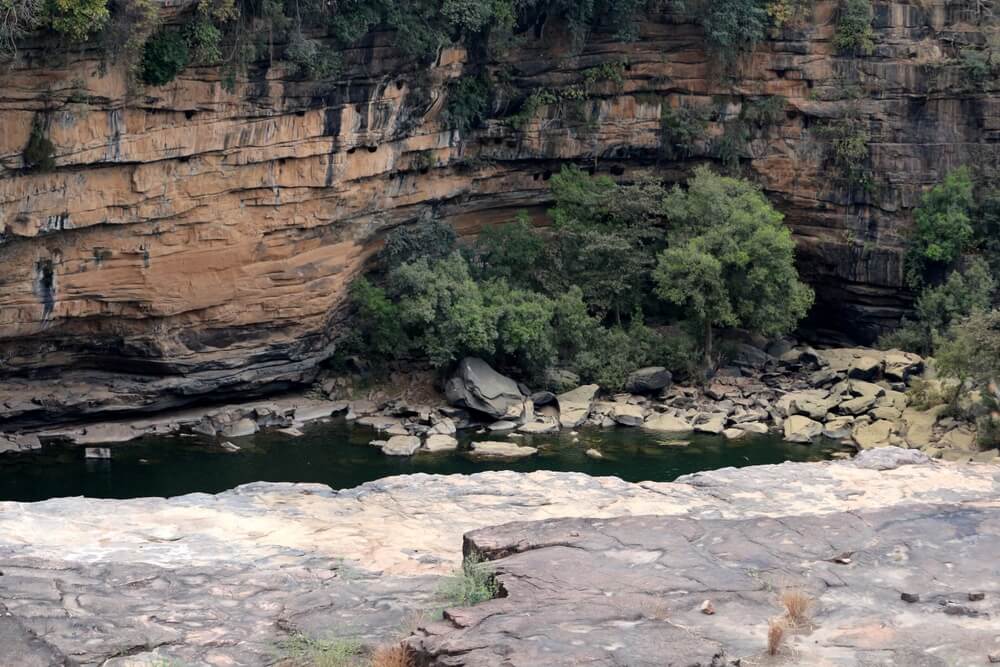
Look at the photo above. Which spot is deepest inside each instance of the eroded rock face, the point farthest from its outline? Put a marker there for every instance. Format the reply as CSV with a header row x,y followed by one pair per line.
x,y
196,242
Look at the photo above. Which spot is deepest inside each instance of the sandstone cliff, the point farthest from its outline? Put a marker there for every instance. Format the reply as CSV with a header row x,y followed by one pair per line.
x,y
193,241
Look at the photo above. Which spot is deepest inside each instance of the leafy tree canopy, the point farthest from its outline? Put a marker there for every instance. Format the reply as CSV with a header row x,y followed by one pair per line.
x,y
733,262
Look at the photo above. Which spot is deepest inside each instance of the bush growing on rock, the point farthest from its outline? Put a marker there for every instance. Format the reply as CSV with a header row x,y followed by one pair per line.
x,y
427,239
165,56
854,28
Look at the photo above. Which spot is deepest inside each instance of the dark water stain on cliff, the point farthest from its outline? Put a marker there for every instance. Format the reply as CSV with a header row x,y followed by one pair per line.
x,y
338,454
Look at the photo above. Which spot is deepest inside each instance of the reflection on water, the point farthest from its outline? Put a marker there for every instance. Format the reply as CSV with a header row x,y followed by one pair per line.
x,y
338,454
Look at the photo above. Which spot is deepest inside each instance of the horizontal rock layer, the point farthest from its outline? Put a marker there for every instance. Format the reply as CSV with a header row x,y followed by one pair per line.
x,y
218,580
195,242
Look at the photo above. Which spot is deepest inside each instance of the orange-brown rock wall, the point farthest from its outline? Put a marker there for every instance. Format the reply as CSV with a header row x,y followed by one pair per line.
x,y
193,241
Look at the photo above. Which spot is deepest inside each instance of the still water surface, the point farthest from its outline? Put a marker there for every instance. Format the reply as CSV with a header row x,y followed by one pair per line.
x,y
337,453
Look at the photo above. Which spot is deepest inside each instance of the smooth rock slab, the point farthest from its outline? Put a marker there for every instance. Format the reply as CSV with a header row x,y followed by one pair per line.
x,y
501,450
629,591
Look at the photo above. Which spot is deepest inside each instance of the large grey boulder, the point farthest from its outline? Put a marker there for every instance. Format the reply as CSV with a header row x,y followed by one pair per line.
x,y
647,380
501,450
401,445
575,406
747,355
802,429
476,386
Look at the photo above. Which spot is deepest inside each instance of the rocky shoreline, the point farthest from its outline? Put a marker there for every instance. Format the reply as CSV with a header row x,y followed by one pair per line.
x,y
222,579
853,396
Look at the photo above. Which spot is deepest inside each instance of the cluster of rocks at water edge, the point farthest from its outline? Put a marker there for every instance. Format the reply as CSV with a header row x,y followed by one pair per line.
x,y
855,396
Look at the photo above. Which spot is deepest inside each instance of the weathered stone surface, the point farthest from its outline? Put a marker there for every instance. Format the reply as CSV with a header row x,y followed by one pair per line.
x,y
401,445
476,386
919,425
438,442
501,450
647,380
665,423
628,415
203,579
630,590
802,429
575,405
540,426
875,434
204,239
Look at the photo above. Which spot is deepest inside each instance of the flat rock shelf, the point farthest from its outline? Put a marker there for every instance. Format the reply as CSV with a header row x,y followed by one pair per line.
x,y
222,579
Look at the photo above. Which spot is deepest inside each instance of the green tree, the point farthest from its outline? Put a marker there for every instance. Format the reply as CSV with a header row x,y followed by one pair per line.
x,y
963,293
971,348
605,239
733,261
164,57
17,19
378,318
444,308
943,227
430,239
512,251
77,19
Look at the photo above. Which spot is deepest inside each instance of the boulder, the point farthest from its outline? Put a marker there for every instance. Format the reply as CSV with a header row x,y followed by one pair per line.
x,y
960,438
889,458
476,386
875,434
802,429
438,442
780,347
814,408
540,426
502,425
892,399
401,445
714,424
863,388
239,428
838,428
443,426
560,379
919,425
868,367
859,405
754,427
824,377
733,433
627,415
886,412
540,398
749,356
785,403
575,406
501,450
901,366
594,454
648,380
665,423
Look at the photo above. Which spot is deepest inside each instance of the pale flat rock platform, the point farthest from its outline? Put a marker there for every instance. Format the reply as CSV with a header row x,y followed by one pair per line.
x,y
219,579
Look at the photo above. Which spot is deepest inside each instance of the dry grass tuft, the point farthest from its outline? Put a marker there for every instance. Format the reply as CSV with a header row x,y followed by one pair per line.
x,y
797,605
394,655
775,635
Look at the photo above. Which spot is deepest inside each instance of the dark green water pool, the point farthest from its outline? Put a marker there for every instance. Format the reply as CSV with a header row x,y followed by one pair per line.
x,y
338,454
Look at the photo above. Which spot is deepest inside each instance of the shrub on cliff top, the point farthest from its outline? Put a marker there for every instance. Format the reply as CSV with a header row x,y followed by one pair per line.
x,y
77,19
854,28
164,57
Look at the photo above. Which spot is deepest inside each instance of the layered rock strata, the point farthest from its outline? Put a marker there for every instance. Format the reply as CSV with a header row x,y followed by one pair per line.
x,y
194,242
221,580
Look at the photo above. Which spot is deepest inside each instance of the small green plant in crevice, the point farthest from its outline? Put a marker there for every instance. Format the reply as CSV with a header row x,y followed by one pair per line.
x,y
613,72
471,584
468,102
765,111
680,131
39,154
732,145
847,141
306,651
165,56
854,32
